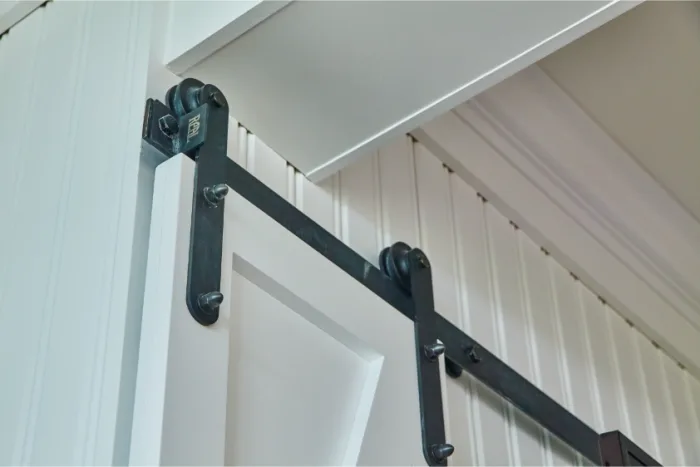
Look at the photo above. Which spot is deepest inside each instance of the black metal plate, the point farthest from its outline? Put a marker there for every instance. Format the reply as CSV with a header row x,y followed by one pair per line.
x,y
430,394
206,236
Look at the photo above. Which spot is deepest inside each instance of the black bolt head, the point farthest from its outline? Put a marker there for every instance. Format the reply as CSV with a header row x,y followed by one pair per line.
x,y
423,261
215,194
168,125
441,452
433,351
473,354
210,301
217,99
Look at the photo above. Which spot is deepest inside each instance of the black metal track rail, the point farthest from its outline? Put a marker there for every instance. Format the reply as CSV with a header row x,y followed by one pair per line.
x,y
170,130
460,347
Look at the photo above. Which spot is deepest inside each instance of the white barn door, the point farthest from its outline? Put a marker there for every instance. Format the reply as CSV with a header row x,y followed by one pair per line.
x,y
305,366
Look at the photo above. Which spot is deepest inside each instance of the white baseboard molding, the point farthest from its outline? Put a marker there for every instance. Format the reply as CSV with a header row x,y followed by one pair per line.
x,y
544,163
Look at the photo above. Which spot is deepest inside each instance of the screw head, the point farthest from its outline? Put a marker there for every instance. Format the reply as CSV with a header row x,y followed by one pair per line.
x,y
473,354
441,452
217,99
210,301
433,351
168,125
423,261
215,194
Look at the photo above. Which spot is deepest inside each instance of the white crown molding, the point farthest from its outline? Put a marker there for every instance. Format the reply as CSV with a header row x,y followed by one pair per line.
x,y
536,154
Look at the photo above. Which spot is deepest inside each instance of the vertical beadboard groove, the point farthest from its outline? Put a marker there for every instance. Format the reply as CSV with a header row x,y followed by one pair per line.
x,y
645,366
692,405
596,414
499,331
76,77
93,407
470,412
611,333
527,297
72,165
22,433
671,446
563,368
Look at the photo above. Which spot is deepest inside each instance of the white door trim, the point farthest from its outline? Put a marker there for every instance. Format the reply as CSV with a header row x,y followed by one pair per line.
x,y
531,150
179,408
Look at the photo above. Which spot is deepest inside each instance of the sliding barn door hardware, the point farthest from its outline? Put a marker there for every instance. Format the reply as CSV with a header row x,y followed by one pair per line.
x,y
410,269
195,122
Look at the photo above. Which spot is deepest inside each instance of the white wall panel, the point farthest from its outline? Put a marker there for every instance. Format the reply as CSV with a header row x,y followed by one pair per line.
x,y
513,297
70,128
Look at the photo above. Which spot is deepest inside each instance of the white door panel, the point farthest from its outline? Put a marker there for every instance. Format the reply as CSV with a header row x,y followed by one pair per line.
x,y
305,366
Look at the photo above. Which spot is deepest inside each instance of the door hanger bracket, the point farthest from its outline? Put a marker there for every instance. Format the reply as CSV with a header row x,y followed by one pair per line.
x,y
194,122
410,269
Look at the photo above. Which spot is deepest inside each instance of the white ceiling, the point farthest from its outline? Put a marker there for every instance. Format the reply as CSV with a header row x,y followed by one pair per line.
x,y
639,77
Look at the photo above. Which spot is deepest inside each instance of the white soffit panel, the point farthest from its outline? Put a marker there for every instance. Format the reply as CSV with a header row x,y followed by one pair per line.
x,y
196,29
322,82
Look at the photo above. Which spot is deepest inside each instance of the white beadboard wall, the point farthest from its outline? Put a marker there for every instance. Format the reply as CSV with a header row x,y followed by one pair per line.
x,y
73,77
501,288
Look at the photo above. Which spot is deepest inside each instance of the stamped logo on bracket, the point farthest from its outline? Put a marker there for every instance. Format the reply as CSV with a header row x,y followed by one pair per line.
x,y
193,125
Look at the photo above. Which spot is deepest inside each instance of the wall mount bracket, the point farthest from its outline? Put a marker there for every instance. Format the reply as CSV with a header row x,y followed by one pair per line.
x,y
195,122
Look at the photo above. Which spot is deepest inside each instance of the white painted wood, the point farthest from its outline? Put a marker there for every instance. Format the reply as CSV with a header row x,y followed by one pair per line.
x,y
72,240
666,424
634,391
479,153
173,346
196,29
491,436
598,183
324,103
321,369
548,347
514,329
609,69
13,11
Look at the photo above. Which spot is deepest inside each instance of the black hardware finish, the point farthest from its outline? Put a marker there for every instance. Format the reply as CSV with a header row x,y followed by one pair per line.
x,y
195,122
428,349
617,449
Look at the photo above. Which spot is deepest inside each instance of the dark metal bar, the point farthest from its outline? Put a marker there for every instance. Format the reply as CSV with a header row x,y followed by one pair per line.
x,y
490,370
318,238
509,384
204,276
428,349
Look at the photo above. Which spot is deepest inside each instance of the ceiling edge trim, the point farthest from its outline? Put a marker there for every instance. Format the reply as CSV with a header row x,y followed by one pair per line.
x,y
566,153
12,12
571,214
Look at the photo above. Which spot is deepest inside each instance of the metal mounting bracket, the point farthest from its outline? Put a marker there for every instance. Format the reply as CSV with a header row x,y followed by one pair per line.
x,y
410,269
195,122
